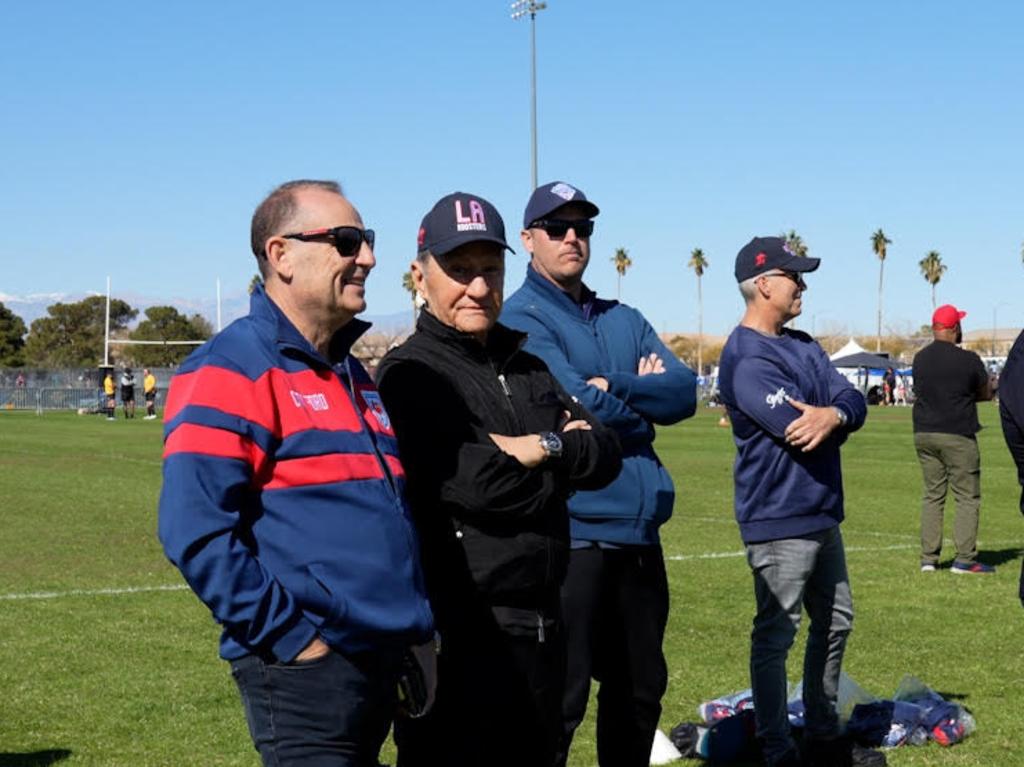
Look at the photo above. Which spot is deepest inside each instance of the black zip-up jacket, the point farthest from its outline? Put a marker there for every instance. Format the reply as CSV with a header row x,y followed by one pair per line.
x,y
492,531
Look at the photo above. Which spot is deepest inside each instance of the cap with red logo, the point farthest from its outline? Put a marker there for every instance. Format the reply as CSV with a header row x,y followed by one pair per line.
x,y
947,316
457,219
763,254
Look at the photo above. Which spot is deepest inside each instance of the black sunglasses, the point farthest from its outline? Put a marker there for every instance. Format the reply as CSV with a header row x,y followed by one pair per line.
x,y
794,276
557,228
347,239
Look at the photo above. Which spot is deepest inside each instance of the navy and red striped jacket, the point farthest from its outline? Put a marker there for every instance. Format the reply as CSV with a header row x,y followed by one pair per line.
x,y
282,501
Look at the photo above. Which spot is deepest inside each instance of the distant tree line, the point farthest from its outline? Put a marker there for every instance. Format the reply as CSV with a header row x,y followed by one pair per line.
x,y
71,335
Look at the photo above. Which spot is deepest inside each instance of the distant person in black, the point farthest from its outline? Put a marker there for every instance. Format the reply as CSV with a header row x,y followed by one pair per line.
x,y
948,381
128,393
1011,413
890,386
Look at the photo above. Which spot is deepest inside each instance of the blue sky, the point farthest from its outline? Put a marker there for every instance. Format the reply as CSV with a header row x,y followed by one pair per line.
x,y
137,139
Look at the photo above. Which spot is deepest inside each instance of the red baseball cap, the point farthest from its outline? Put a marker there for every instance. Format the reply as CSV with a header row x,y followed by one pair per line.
x,y
947,316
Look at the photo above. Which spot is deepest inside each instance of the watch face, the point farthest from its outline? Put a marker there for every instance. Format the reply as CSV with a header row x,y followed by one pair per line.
x,y
552,443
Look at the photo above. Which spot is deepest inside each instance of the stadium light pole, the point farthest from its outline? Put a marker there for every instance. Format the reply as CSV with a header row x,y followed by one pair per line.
x,y
521,8
995,312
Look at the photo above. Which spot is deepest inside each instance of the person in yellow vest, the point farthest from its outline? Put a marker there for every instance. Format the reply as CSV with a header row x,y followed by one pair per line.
x,y
108,392
149,392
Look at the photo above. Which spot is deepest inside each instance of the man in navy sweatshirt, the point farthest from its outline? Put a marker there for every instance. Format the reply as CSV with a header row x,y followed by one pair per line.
x,y
607,356
790,411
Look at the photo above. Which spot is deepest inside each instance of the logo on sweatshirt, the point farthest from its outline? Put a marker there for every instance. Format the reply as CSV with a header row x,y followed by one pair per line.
x,y
316,401
776,398
373,401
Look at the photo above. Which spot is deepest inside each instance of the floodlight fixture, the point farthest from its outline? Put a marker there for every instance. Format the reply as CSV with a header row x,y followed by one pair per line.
x,y
522,8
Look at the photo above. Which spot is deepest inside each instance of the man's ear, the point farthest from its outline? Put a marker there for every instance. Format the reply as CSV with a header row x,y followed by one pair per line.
x,y
527,237
763,287
419,278
279,257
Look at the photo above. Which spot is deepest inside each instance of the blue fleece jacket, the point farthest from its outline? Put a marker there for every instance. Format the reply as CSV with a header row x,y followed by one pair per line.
x,y
607,339
782,492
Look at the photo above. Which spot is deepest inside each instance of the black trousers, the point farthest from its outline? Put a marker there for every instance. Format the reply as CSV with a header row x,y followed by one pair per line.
x,y
614,608
500,678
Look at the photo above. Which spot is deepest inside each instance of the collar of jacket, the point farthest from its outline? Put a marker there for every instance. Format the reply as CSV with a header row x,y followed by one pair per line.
x,y
263,309
502,342
555,294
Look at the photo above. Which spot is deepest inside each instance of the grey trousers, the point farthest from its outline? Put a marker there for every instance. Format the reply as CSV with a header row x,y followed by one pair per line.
x,y
789,574
949,461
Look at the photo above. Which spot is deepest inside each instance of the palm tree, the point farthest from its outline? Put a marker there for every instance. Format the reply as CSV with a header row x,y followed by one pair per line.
x,y
410,286
795,243
698,263
878,244
932,270
622,262
256,280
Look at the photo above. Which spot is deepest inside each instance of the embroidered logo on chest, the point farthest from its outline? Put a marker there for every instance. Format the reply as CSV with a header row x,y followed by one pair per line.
x,y
376,406
316,401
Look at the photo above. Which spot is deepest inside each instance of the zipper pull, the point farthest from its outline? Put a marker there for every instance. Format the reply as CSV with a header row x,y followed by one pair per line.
x,y
540,628
504,385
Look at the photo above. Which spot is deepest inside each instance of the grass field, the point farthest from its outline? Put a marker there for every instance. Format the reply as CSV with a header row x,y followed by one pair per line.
x,y
106,660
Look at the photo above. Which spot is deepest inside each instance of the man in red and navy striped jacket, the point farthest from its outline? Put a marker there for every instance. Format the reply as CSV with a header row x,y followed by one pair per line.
x,y
282,499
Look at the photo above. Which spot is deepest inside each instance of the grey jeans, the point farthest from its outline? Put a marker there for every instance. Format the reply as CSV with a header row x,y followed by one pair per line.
x,y
789,574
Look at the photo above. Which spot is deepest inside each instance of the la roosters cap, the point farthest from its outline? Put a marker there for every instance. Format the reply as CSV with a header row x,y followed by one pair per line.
x,y
459,218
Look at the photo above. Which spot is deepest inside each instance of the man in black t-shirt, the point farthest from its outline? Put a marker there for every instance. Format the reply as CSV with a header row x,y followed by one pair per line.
x,y
948,382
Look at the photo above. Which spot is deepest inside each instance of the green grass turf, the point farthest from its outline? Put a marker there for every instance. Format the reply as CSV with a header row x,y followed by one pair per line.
x,y
133,679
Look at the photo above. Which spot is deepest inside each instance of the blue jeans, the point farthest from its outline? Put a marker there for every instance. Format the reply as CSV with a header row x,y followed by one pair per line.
x,y
334,711
789,574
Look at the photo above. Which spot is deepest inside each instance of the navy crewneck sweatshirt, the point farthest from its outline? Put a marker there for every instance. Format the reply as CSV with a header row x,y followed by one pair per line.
x,y
782,492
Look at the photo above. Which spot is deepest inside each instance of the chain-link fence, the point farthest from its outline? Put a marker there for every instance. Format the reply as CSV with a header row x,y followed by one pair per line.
x,y
70,389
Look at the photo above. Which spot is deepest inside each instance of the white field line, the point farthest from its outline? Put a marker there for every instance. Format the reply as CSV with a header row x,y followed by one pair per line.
x,y
849,550
92,592
36,595
847,531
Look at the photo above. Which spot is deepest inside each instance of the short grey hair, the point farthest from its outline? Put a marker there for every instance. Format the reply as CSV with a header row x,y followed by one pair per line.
x,y
748,289
277,209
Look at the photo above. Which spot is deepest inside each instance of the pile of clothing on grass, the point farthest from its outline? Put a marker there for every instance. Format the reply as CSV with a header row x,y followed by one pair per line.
x,y
914,715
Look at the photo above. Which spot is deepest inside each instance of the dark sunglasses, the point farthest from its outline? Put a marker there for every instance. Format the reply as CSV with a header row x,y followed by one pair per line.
x,y
794,276
557,228
347,239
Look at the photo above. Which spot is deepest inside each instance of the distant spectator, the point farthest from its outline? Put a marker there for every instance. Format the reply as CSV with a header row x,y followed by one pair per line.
x,y
901,391
108,394
128,393
149,392
20,381
948,381
889,387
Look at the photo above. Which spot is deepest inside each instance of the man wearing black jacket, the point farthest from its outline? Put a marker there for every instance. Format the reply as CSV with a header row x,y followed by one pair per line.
x,y
492,447
1011,413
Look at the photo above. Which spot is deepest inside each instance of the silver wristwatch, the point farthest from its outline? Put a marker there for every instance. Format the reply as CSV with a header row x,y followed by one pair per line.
x,y
551,443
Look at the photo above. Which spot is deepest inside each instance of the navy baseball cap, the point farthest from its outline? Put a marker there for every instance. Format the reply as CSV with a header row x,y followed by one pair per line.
x,y
762,254
459,218
550,197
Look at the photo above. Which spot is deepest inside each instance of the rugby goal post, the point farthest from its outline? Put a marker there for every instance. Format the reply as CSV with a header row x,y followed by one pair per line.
x,y
107,340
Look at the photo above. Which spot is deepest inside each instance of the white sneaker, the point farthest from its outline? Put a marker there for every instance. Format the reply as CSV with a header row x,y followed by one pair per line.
x,y
927,568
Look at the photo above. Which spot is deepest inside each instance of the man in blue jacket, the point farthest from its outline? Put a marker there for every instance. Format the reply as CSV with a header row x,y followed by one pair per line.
x,y
282,498
790,411
606,355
